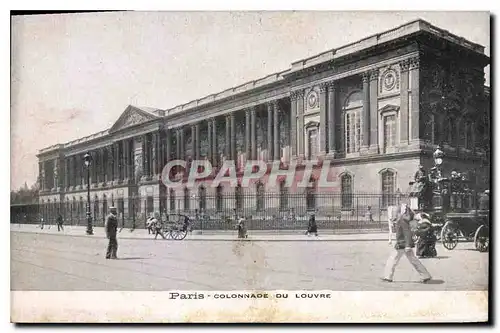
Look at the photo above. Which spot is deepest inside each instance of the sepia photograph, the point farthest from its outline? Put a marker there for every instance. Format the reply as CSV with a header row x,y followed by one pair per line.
x,y
250,166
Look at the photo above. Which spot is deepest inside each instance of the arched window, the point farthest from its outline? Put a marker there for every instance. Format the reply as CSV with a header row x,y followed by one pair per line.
x,y
311,197
171,196
218,198
259,197
283,196
352,122
346,188
202,194
388,188
187,199
238,197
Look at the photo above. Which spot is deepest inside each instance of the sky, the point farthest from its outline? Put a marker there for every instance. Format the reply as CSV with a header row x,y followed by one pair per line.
x,y
74,74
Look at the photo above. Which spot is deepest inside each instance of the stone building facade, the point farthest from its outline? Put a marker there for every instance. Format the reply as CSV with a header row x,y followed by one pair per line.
x,y
375,109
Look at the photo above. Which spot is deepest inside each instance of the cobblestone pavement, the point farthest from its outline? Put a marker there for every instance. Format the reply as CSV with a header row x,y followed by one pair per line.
x,y
65,262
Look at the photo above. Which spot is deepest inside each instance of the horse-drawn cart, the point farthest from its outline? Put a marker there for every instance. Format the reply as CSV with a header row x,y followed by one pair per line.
x,y
452,206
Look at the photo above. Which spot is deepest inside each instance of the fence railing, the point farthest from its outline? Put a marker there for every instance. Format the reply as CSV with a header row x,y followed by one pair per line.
x,y
264,211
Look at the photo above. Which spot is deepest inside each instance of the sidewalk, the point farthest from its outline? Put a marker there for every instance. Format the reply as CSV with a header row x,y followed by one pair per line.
x,y
212,235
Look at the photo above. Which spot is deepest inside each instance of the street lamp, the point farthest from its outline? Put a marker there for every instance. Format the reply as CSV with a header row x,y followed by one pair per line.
x,y
88,161
438,156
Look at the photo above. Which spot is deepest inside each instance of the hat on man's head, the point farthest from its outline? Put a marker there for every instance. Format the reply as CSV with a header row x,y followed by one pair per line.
x,y
112,209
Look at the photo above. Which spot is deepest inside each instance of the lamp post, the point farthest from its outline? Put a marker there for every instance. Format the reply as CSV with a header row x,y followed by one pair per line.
x,y
88,161
438,161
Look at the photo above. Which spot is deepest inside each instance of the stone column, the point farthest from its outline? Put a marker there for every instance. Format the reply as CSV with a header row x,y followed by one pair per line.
x,y
74,173
115,161
197,142
233,137
293,123
214,141
248,143
210,141
193,142
300,123
365,118
323,122
94,166
228,137
109,163
270,155
183,148
403,109
415,99
178,143
145,155
154,154
374,147
66,172
103,166
168,133
253,139
276,134
332,109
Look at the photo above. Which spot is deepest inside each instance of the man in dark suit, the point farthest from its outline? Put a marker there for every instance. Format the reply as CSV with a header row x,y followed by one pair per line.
x,y
111,229
404,246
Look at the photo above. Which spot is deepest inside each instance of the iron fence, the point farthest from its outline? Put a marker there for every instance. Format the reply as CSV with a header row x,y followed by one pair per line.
x,y
266,211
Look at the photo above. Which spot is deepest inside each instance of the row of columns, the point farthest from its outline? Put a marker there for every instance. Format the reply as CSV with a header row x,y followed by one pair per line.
x,y
116,162
230,151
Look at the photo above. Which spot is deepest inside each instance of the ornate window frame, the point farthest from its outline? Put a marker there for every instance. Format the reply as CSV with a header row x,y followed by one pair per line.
x,y
354,111
308,128
388,111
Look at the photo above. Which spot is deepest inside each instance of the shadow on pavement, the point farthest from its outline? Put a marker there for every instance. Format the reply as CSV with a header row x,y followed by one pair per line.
x,y
437,257
132,258
433,281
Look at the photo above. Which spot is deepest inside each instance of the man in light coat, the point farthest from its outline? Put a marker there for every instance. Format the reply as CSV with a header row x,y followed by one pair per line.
x,y
404,246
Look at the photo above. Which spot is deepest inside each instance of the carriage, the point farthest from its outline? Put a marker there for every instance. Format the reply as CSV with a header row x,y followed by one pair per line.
x,y
453,207
175,226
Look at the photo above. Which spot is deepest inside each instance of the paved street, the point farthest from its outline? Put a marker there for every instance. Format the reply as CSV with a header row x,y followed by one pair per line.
x,y
66,262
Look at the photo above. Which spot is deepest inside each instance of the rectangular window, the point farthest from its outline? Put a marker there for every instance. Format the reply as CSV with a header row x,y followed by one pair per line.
x,y
389,131
352,131
312,140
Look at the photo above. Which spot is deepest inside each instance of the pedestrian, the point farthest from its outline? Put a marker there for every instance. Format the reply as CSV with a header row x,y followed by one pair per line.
x,y
242,230
312,227
404,246
41,222
156,226
426,243
111,229
59,222
369,214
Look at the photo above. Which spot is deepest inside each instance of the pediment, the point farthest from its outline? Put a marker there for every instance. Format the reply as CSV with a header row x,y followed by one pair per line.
x,y
130,117
389,107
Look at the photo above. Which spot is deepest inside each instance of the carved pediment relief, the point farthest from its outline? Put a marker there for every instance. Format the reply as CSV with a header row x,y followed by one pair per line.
x,y
130,117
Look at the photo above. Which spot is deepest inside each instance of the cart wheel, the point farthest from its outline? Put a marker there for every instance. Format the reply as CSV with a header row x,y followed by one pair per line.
x,y
179,234
447,227
449,240
482,239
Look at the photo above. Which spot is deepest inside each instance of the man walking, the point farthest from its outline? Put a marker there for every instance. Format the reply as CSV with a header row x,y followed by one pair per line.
x,y
111,228
404,246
